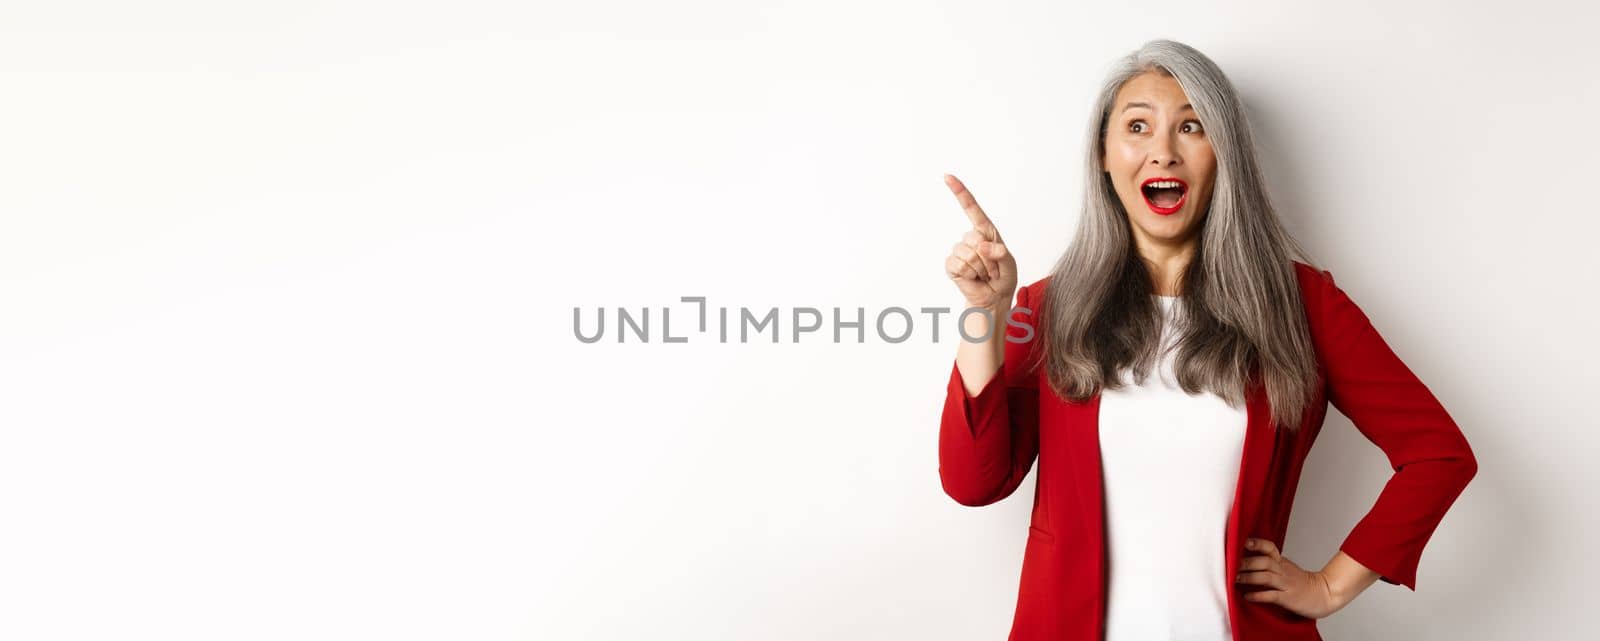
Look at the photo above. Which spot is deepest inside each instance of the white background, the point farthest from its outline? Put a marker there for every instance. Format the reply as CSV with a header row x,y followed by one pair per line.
x,y
286,293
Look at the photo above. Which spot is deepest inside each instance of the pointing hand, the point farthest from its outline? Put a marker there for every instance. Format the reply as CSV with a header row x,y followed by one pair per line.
x,y
980,264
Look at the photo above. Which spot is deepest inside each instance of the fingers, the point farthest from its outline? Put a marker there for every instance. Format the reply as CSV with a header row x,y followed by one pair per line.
x,y
975,240
989,260
981,256
1257,563
1262,577
958,269
1000,255
1264,569
1262,546
969,255
988,231
1260,570
969,204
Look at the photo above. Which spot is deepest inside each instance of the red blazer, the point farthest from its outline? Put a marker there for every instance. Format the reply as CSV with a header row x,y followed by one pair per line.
x,y
988,442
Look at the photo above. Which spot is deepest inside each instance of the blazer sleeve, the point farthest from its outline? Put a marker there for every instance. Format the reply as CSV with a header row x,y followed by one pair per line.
x,y
1386,402
988,442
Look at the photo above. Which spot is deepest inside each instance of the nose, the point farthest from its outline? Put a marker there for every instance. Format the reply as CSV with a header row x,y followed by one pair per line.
x,y
1163,152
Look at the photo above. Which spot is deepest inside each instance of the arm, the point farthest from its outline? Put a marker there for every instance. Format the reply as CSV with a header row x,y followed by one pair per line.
x,y
1386,402
1347,578
989,438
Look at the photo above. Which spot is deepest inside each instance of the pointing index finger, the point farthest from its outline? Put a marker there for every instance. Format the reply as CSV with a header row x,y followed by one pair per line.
x,y
980,220
968,203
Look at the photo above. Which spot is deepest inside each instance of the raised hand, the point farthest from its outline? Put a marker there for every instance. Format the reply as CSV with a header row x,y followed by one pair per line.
x,y
980,264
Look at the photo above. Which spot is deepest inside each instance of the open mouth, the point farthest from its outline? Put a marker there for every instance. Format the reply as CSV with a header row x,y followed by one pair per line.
x,y
1164,195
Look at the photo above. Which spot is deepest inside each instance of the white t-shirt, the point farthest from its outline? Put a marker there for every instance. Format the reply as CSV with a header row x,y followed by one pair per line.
x,y
1171,465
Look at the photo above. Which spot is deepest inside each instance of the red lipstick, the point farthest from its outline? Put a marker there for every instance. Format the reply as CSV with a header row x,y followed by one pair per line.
x,y
1145,189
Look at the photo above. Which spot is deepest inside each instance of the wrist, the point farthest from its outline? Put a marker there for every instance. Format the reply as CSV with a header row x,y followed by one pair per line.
x,y
985,320
1000,303
1338,593
1342,587
1346,578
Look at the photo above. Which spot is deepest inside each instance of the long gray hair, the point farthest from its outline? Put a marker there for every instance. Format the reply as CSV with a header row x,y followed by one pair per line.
x,y
1245,322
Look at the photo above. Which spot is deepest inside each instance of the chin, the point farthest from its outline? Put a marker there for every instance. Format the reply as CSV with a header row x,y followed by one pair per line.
x,y
1165,228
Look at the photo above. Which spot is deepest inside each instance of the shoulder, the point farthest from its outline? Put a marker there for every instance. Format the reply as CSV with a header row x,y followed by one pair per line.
x,y
1330,312
1311,278
1315,285
1034,290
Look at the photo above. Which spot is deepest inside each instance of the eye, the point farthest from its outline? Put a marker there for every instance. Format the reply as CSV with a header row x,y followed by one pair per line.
x,y
1197,128
1132,124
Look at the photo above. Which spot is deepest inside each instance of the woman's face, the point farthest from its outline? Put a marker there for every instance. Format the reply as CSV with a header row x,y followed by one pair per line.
x,y
1154,135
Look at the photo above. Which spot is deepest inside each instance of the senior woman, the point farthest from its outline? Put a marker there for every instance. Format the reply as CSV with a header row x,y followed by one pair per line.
x,y
1170,375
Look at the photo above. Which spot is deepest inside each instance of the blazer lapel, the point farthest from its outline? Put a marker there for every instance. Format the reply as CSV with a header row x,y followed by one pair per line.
x,y
1085,446
1254,464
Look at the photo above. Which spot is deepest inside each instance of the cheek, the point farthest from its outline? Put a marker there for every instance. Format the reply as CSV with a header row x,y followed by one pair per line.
x,y
1205,165
1123,153
1204,157
1123,163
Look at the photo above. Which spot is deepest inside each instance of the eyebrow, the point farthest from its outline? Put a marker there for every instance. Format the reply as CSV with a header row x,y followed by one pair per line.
x,y
1146,105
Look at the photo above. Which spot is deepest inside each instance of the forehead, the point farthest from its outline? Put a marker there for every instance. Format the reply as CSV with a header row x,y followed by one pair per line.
x,y
1161,92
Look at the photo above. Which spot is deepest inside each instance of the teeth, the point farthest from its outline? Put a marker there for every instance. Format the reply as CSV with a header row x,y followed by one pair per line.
x,y
1164,184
